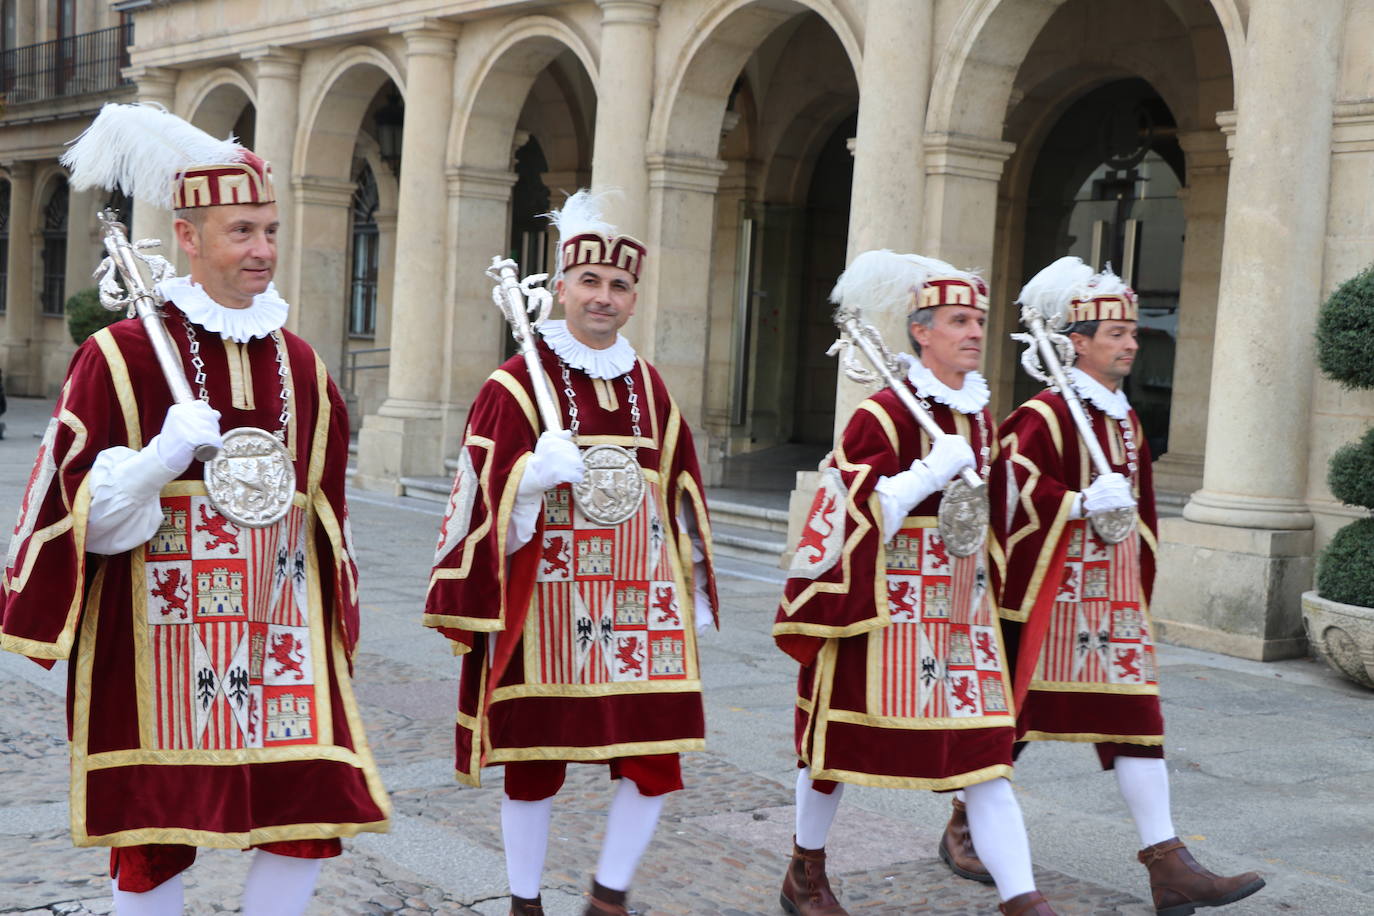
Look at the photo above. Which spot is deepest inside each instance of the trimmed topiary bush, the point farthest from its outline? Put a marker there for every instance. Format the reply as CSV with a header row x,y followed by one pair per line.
x,y
1345,329
85,314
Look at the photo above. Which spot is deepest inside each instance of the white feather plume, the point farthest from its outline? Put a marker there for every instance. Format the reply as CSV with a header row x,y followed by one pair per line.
x,y
883,280
140,149
581,212
1107,283
1051,290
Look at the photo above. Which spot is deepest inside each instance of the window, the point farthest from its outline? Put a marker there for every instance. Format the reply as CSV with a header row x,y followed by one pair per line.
x,y
362,286
55,250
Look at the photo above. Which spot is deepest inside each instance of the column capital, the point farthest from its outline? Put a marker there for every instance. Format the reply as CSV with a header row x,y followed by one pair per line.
x,y
19,169
966,156
629,12
685,173
329,192
433,37
1205,151
275,62
1226,120
155,84
483,184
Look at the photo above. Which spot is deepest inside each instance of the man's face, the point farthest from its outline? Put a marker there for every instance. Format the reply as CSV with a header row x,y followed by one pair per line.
x,y
1110,353
597,300
233,251
953,344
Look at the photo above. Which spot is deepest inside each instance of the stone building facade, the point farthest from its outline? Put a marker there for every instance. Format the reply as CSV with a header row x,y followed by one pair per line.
x,y
1219,153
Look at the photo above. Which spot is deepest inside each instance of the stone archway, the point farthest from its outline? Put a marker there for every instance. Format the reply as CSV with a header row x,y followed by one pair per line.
x,y
356,81
1005,78
220,103
735,141
535,80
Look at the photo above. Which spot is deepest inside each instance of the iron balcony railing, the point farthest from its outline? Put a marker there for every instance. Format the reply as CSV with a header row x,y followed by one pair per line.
x,y
74,65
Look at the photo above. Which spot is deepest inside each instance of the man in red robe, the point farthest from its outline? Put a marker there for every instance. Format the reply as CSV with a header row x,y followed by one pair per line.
x,y
1077,605
573,573
904,680
209,662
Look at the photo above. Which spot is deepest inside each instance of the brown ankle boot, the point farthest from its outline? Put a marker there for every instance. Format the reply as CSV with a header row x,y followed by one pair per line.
x,y
605,902
1180,885
805,888
526,906
956,848
1031,903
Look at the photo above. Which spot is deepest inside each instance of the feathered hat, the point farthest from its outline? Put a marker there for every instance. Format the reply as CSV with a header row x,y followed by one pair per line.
x,y
885,281
154,156
584,237
1067,292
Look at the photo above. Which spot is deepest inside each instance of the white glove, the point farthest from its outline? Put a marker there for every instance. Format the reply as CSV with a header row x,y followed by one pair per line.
x,y
701,606
948,456
185,428
1108,492
556,460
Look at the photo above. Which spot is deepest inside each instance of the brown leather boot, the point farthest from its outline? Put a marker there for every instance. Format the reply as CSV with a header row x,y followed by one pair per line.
x,y
1031,903
605,902
525,906
1180,885
956,848
805,888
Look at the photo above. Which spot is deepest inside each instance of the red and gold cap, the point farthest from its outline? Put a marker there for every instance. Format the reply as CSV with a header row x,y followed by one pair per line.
x,y
247,181
584,237
887,281
959,289
1120,304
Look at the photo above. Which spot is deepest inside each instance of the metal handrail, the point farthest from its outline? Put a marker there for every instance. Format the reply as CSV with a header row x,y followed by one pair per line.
x,y
351,367
68,66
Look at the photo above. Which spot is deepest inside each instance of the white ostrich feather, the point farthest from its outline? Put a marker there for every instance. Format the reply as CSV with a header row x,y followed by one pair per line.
x,y
1107,283
581,212
140,149
1051,290
883,280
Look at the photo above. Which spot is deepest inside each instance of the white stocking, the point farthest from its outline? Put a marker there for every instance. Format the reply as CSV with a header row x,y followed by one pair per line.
x,y
815,811
999,835
279,885
629,828
1144,784
525,832
163,900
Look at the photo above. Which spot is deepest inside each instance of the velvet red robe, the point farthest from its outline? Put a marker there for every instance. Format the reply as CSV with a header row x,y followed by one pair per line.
x,y
209,699
903,680
1085,658
581,645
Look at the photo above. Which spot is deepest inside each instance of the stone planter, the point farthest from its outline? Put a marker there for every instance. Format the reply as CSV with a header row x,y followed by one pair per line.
x,y
1342,635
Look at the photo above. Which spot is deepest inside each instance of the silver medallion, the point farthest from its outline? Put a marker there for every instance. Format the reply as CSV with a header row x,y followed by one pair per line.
x,y
253,480
963,517
612,487
1116,525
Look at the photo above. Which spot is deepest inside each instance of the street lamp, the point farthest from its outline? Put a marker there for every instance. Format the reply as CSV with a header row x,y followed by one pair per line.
x,y
390,122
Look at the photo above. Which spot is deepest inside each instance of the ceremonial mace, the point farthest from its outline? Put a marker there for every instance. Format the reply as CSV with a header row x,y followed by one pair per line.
x,y
136,298
517,299
964,508
1048,349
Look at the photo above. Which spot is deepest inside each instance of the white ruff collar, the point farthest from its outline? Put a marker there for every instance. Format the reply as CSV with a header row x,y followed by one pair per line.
x,y
970,399
265,315
612,362
1112,403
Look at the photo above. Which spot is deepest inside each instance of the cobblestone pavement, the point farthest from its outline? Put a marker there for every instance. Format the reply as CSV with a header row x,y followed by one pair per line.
x,y
1300,816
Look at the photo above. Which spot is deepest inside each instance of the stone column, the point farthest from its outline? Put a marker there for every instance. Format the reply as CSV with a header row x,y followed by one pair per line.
x,y
404,437
479,208
674,302
624,97
278,78
156,84
1233,568
963,174
319,305
21,299
889,149
1204,210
